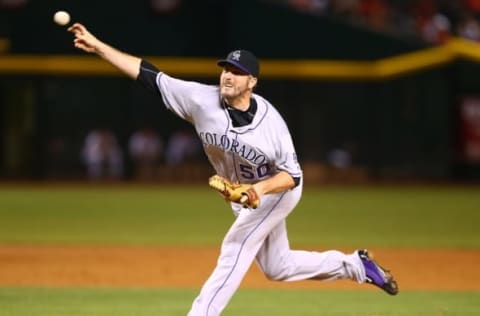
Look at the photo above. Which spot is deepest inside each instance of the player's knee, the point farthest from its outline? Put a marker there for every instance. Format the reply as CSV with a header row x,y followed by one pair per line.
x,y
275,274
275,277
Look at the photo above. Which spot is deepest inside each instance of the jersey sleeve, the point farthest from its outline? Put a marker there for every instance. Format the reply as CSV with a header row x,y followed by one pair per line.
x,y
286,157
147,76
179,95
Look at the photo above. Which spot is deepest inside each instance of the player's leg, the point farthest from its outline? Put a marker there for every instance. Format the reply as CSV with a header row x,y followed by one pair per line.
x,y
280,263
239,248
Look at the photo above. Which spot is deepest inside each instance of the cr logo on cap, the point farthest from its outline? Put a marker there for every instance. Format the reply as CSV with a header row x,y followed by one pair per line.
x,y
236,55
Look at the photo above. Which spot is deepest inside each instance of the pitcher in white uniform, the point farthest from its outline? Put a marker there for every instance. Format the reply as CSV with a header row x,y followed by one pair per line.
x,y
245,140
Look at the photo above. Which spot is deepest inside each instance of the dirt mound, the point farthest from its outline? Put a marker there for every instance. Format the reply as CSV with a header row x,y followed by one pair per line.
x,y
170,266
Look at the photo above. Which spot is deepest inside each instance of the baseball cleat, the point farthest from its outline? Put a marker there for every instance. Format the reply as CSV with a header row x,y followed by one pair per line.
x,y
377,275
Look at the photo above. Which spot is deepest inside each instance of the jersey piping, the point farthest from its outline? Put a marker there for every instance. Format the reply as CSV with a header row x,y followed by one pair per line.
x,y
244,129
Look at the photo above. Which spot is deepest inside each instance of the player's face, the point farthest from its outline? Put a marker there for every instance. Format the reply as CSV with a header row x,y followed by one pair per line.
x,y
235,84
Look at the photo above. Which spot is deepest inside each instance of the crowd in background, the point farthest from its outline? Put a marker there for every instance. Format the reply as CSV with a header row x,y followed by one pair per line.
x,y
431,20
142,156
104,157
434,21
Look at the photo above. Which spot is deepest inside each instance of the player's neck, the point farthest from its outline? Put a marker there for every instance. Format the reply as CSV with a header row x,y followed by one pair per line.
x,y
241,103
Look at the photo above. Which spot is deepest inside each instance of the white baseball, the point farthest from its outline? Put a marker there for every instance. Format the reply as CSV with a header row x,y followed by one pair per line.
x,y
61,17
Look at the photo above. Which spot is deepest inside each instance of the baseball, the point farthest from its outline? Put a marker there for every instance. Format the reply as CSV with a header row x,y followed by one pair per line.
x,y
61,17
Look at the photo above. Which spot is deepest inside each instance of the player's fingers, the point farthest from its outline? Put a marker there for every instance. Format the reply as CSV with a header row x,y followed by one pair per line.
x,y
74,29
77,27
86,39
81,45
244,199
81,37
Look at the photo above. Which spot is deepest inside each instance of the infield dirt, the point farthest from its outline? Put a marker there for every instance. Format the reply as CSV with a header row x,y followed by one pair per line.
x,y
169,266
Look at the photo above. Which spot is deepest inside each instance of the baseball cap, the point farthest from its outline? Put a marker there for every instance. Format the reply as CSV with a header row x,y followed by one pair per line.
x,y
243,60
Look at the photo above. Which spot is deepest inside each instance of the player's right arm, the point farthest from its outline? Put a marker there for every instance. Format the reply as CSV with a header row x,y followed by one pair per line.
x,y
86,41
178,95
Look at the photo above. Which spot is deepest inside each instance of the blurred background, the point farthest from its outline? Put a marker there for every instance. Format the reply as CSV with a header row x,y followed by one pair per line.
x,y
372,90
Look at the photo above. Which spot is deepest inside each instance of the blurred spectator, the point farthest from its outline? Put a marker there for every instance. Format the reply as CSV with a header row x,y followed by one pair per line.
x,y
165,6
470,129
339,158
56,160
342,157
376,13
310,6
436,29
435,21
474,7
13,4
346,8
145,148
469,28
102,155
182,146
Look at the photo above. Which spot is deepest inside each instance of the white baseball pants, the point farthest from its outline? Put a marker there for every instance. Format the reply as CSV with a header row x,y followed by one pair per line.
x,y
261,234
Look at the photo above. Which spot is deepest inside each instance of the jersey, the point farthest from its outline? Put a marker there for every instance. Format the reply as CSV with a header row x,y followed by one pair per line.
x,y
246,154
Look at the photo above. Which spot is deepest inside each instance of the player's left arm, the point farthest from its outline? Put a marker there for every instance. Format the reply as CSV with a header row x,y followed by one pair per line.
x,y
289,173
280,182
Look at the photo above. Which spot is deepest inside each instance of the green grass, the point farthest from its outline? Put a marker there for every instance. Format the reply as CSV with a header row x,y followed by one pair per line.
x,y
326,216
414,216
139,302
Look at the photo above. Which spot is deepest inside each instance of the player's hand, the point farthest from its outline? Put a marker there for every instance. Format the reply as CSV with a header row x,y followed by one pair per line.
x,y
244,194
84,40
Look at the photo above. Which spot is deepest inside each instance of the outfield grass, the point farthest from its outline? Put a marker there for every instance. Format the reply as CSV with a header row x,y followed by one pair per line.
x,y
139,302
413,217
342,216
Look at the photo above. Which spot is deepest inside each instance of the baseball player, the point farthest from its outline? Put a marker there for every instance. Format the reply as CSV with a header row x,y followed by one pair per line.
x,y
249,146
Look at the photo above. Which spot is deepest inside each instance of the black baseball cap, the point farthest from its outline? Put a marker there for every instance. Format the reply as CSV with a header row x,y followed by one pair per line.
x,y
243,60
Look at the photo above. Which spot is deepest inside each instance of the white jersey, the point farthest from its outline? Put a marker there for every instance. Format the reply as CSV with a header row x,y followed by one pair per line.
x,y
246,154
249,154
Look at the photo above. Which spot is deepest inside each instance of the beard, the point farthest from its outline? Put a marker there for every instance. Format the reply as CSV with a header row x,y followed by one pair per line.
x,y
232,92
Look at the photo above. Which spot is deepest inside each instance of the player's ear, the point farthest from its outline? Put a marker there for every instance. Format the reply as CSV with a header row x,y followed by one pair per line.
x,y
252,82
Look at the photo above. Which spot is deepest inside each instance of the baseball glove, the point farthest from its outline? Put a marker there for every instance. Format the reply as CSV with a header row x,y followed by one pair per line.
x,y
243,194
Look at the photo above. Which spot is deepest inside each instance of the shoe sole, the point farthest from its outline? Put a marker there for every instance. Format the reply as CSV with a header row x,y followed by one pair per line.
x,y
390,286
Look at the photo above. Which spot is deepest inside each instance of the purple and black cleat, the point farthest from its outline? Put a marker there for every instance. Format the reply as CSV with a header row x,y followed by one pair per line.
x,y
377,275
